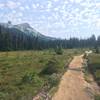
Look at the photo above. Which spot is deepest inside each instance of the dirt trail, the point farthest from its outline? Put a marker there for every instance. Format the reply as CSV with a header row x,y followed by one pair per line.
x,y
73,86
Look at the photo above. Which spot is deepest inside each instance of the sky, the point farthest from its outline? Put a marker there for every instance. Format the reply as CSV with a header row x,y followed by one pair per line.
x,y
55,18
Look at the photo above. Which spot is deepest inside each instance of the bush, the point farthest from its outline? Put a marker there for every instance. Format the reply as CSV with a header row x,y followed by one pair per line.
x,y
28,77
97,74
85,56
59,51
53,80
32,77
96,49
51,67
2,95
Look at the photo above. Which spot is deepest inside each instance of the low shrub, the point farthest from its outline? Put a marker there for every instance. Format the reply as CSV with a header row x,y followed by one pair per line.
x,y
32,77
2,96
53,80
51,67
97,74
59,50
96,49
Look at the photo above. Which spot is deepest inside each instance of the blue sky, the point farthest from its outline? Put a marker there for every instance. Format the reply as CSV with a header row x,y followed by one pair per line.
x,y
56,18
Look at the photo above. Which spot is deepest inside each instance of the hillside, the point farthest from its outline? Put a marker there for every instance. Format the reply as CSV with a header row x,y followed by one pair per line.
x,y
20,37
24,37
25,28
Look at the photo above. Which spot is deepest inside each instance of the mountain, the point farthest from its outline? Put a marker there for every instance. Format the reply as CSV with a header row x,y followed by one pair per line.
x,y
22,37
26,29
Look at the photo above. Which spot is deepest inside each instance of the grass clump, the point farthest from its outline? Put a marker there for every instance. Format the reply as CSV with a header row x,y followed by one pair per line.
x,y
53,80
51,67
59,50
94,66
32,77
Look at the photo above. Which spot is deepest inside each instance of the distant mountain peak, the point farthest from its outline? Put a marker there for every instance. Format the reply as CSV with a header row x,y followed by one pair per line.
x,y
26,29
26,25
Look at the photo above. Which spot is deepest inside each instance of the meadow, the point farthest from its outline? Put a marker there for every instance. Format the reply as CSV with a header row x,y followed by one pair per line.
x,y
94,67
20,77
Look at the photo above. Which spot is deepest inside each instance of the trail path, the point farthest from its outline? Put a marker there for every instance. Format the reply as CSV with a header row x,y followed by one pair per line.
x,y
72,85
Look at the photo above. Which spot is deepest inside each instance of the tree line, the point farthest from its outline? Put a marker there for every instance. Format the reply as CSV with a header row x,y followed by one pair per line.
x,y
13,39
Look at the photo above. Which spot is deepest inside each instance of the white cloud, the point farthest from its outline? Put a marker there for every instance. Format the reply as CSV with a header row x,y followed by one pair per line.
x,y
41,7
56,0
13,11
97,5
22,8
34,6
27,7
77,1
97,23
49,5
20,14
19,20
11,4
65,1
37,5
1,5
72,1
56,9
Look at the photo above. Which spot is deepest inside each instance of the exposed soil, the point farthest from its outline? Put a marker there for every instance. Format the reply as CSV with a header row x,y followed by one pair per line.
x,y
73,85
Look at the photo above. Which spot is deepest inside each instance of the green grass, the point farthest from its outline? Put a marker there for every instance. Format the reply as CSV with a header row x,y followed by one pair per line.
x,y
97,97
94,66
19,72
97,73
